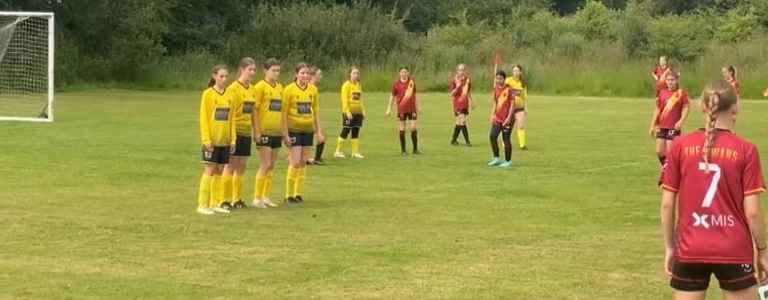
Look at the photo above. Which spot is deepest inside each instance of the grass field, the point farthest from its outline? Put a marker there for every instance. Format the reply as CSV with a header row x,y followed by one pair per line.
x,y
100,204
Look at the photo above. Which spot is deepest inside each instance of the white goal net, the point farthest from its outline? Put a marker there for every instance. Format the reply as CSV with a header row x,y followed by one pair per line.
x,y
26,66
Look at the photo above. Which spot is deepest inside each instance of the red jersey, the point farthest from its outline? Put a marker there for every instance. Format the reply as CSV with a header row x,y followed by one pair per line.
x,y
405,96
460,95
670,105
736,87
504,98
711,224
661,83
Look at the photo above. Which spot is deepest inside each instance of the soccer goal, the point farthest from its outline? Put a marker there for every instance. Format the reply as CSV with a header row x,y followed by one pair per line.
x,y
26,66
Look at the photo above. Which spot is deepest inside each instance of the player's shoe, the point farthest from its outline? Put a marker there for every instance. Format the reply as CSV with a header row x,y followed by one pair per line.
x,y
298,199
339,155
319,162
259,204
239,204
469,144
403,153
417,152
289,201
524,148
268,202
204,211
454,143
506,164
219,209
494,162
227,206
357,155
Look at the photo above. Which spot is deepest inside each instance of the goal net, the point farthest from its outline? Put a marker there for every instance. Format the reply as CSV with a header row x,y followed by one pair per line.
x,y
26,66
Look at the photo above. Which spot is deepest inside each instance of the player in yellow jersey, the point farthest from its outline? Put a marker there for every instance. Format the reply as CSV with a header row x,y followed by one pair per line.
x,y
352,114
518,82
301,121
317,75
217,136
267,120
243,105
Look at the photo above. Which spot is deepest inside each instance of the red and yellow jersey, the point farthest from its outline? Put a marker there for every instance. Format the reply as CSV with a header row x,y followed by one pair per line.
x,y
302,106
503,98
659,71
522,98
711,224
217,124
269,103
352,98
243,103
405,96
670,105
661,82
460,93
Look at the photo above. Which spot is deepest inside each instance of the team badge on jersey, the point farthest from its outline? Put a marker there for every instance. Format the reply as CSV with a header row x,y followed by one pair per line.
x,y
248,107
275,105
356,96
304,108
221,114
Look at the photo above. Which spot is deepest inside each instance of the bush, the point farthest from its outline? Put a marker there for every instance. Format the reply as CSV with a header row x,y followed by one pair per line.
x,y
633,30
595,21
737,25
569,45
683,38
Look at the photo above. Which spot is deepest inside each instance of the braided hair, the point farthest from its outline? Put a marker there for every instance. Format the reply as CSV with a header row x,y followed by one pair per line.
x,y
717,97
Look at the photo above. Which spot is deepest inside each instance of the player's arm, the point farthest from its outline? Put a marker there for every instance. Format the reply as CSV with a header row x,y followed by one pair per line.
x,y
755,221
258,97
345,99
654,117
284,119
316,111
232,128
206,110
391,104
668,203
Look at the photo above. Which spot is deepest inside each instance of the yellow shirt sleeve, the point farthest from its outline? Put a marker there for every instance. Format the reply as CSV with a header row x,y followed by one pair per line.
x,y
258,94
232,125
206,110
346,96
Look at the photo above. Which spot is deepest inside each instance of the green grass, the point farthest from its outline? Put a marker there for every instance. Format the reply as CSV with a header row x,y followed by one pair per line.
x,y
100,204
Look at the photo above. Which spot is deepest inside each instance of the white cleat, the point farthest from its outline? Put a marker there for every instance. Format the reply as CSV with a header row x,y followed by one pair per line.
x,y
339,155
268,203
357,155
220,210
204,211
258,204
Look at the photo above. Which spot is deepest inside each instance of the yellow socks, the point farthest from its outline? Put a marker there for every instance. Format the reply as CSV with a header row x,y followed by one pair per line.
x,y
236,188
217,191
290,181
339,144
267,185
204,192
521,137
261,181
301,174
355,146
226,181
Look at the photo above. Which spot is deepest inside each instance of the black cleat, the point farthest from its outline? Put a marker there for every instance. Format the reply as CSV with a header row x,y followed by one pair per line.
x,y
524,148
298,199
290,201
455,143
239,204
417,152
469,144
226,206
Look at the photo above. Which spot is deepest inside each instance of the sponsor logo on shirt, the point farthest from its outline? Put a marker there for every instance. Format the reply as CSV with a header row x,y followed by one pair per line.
x,y
304,108
221,114
356,96
275,104
716,220
248,107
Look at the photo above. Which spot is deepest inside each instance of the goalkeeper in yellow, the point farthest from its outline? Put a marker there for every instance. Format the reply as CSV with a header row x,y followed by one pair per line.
x,y
301,121
243,104
217,136
353,113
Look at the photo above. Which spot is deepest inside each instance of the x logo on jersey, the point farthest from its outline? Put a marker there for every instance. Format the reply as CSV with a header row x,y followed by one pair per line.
x,y
700,220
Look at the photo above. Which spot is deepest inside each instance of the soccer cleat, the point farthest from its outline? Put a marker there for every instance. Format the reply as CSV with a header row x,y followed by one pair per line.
x,y
469,144
219,209
403,153
289,201
506,164
298,199
524,148
319,162
204,211
227,206
259,204
357,155
339,155
455,143
417,152
268,203
494,162
239,204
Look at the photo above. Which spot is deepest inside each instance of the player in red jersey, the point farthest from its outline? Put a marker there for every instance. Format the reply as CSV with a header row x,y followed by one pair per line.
x,y
404,95
710,208
658,73
461,89
729,75
502,120
669,115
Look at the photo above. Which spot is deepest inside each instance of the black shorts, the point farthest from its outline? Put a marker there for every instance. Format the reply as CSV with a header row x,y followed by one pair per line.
x,y
219,155
667,134
356,121
517,110
693,277
243,146
407,116
463,111
302,139
506,129
270,141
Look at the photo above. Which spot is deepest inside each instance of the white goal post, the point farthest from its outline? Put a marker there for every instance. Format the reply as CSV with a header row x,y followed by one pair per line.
x,y
26,66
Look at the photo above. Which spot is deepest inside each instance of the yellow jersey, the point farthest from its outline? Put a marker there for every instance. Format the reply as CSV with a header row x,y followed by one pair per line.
x,y
243,104
521,98
216,118
352,98
302,106
269,104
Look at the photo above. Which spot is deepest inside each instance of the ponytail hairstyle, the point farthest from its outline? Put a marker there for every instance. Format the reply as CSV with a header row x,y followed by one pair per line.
x,y
732,69
523,80
717,97
214,71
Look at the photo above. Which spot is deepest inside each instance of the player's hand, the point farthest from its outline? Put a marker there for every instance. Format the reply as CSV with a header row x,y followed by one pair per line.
x,y
287,140
208,147
762,264
349,115
232,149
257,138
765,93
669,255
389,112
507,121
320,137
678,125
652,131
